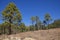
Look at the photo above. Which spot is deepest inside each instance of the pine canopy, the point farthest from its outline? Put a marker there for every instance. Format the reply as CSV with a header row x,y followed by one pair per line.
x,y
11,12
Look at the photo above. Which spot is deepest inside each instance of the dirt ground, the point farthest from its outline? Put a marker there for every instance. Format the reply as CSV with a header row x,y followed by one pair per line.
x,y
51,34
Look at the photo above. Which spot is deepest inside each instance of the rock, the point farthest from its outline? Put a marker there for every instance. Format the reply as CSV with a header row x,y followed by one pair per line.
x,y
6,39
27,38
18,38
13,38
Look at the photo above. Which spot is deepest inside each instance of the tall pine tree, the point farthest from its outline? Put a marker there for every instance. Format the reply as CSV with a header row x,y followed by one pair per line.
x,y
12,15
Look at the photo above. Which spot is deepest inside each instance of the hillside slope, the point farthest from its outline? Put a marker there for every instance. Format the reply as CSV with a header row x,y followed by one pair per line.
x,y
51,34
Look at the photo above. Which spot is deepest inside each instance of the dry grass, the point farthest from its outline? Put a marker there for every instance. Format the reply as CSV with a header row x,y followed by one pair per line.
x,y
51,34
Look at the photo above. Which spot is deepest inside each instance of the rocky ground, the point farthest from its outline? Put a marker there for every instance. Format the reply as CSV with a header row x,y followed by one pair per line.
x,y
51,34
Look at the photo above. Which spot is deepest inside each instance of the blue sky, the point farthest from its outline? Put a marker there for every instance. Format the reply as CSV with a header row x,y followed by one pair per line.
x,y
30,8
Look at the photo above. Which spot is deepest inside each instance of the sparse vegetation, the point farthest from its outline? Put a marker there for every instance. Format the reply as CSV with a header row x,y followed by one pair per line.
x,y
13,21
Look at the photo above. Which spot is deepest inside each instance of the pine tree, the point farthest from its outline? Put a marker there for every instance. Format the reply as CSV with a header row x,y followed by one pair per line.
x,y
12,15
47,18
33,20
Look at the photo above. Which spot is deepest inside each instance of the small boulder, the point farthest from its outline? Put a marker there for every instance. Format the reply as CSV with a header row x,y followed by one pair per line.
x,y
27,38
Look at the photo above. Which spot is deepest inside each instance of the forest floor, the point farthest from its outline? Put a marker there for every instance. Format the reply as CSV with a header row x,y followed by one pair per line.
x,y
51,34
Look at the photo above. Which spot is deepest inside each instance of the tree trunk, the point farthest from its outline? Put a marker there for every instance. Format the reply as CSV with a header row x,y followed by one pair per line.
x,y
4,30
10,26
9,29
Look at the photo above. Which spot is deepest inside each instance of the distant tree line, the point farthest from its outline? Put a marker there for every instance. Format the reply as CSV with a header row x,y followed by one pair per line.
x,y
13,21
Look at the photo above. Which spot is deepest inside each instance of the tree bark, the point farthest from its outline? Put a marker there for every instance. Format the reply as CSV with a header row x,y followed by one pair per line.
x,y
10,31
